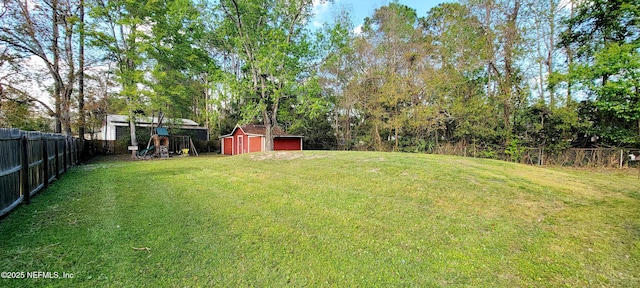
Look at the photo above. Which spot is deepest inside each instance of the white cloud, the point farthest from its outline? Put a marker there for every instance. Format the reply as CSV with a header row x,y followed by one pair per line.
x,y
320,6
320,11
357,30
566,4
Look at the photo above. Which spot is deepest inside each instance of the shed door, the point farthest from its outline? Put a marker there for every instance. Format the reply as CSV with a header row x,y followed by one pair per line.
x,y
228,146
240,145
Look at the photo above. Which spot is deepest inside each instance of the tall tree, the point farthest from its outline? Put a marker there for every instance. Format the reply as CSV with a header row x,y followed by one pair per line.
x,y
120,28
337,71
502,24
458,45
392,29
271,40
45,30
179,61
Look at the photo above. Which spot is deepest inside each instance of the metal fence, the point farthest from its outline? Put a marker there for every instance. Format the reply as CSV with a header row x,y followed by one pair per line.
x,y
574,157
29,161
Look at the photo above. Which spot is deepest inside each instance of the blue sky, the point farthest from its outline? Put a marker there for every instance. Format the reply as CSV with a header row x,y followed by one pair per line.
x,y
363,8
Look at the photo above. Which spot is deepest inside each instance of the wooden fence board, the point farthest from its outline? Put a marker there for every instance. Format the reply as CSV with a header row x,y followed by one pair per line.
x,y
10,169
62,165
36,162
51,153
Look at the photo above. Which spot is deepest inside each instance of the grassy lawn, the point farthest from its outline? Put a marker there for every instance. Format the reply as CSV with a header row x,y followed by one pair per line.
x,y
328,219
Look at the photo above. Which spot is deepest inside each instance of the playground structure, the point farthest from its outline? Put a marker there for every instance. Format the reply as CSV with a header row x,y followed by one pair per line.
x,y
182,145
161,144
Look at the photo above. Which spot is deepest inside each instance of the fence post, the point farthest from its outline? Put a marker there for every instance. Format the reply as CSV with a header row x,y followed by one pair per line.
x,y
26,194
539,156
621,158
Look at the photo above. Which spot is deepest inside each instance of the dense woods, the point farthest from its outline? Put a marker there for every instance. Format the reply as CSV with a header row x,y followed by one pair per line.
x,y
495,75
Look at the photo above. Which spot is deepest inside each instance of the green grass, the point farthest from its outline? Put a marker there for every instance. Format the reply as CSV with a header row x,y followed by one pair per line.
x,y
328,219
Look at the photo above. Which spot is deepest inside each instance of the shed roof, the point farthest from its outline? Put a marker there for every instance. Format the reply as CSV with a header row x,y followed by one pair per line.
x,y
124,120
260,130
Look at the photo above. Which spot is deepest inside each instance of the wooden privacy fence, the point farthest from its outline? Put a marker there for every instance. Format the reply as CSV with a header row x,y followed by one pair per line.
x,y
29,161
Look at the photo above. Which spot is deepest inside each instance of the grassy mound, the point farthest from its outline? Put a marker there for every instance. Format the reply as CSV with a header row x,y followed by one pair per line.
x,y
328,219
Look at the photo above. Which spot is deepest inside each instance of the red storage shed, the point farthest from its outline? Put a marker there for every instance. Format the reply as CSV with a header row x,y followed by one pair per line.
x,y
251,138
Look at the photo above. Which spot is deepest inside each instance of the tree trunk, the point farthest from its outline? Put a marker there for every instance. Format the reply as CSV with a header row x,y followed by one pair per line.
x,y
552,25
570,61
81,115
376,136
132,130
540,34
68,86
207,114
268,132
266,119
437,144
510,42
491,53
337,129
348,138
56,65
396,128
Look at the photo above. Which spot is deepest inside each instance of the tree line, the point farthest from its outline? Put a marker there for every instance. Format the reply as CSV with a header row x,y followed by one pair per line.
x,y
495,74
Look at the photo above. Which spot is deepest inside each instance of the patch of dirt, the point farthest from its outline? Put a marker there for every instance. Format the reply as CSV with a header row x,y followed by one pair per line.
x,y
284,155
91,167
407,174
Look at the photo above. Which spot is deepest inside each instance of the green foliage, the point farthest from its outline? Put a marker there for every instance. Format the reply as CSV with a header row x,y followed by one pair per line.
x,y
599,23
602,33
620,93
605,126
514,150
488,153
16,113
180,60
306,115
142,138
